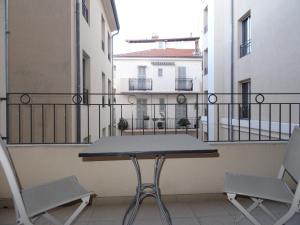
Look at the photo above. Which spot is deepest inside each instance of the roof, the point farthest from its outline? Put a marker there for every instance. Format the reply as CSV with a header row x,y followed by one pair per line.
x,y
163,40
162,53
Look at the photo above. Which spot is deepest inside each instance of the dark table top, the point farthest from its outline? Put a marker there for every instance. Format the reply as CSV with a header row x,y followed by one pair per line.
x,y
149,146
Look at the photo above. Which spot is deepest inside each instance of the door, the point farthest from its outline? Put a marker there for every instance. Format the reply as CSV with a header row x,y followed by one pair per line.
x,y
141,112
180,112
181,78
141,78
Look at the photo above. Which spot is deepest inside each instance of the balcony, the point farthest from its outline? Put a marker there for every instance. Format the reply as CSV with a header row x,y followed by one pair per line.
x,y
184,84
138,84
42,121
204,209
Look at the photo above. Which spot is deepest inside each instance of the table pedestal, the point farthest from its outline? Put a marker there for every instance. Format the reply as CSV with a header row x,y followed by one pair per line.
x,y
144,190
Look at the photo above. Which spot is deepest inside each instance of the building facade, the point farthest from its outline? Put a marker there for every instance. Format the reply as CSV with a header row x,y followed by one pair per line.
x,y
59,52
163,85
248,45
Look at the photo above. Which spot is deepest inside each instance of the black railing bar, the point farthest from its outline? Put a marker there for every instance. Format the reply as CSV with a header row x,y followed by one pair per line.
x,y
270,120
299,114
259,122
92,93
65,118
218,122
228,119
31,121
290,120
122,118
154,119
88,123
169,104
19,108
54,118
239,113
43,125
249,121
279,121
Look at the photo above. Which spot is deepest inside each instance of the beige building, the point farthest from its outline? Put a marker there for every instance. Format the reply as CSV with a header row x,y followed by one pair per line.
x,y
60,47
249,48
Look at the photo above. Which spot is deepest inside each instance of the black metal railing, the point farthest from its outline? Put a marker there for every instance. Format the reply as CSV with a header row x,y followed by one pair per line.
x,y
245,48
184,84
59,118
85,11
139,84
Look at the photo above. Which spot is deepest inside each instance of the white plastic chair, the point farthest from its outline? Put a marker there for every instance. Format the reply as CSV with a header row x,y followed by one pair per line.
x,y
31,204
269,188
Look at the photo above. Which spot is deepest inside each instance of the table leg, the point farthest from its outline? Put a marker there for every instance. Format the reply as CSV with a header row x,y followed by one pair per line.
x,y
147,190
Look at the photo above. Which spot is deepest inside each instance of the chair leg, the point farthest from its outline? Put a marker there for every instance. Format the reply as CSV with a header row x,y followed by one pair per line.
x,y
286,217
85,202
232,199
249,209
52,219
70,220
268,212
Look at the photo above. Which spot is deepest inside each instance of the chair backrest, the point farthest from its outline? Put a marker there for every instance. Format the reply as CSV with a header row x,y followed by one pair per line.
x,y
12,179
292,158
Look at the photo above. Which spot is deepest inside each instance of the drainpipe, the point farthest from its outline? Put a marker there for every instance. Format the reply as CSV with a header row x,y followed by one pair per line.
x,y
232,69
6,44
5,52
78,74
113,77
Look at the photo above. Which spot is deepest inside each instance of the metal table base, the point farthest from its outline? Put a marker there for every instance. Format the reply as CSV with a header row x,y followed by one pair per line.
x,y
144,190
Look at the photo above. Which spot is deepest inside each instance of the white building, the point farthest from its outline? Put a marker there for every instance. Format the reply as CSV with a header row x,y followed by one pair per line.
x,y
156,80
249,47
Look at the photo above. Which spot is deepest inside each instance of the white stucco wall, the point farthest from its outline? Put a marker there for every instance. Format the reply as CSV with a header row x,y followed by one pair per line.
x,y
39,164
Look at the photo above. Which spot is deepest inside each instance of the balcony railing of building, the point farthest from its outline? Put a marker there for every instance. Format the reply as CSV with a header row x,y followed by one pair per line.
x,y
245,48
85,11
55,118
185,84
139,84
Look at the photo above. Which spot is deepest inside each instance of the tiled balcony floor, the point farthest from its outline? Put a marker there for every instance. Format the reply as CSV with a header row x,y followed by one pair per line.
x,y
185,210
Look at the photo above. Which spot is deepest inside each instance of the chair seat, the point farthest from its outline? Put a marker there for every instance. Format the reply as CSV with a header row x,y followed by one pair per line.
x,y
42,198
259,187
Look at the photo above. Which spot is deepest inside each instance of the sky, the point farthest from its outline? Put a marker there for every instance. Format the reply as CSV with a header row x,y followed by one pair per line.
x,y
140,19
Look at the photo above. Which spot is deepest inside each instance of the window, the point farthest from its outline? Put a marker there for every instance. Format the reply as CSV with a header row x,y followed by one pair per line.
x,y
85,10
162,105
85,78
104,132
245,47
108,46
246,99
160,72
205,62
142,71
103,32
205,20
